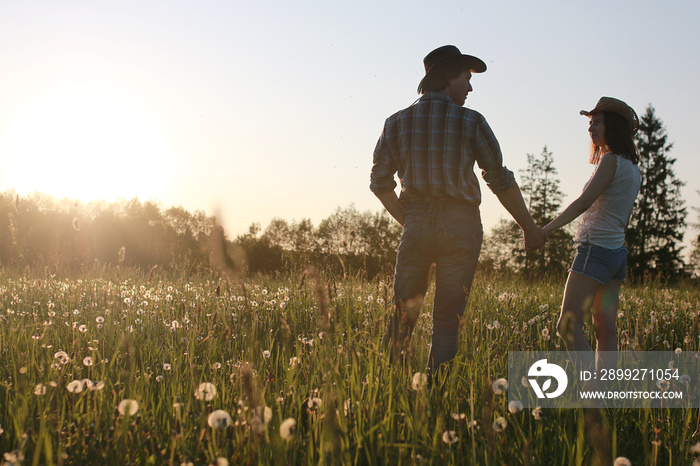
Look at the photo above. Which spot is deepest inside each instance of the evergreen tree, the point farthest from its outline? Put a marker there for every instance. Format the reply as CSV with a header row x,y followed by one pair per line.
x,y
694,264
545,200
658,218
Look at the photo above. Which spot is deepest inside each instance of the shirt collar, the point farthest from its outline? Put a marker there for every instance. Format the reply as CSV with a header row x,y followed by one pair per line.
x,y
436,95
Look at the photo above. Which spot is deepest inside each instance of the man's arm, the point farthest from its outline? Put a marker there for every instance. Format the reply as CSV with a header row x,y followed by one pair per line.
x,y
391,203
512,199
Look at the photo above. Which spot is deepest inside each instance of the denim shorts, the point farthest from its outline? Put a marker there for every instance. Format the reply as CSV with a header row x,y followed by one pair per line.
x,y
600,264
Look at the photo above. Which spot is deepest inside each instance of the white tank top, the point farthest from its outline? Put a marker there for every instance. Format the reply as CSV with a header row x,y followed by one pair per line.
x,y
605,221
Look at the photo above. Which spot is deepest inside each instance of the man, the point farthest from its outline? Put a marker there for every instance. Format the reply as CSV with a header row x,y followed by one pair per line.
x,y
433,146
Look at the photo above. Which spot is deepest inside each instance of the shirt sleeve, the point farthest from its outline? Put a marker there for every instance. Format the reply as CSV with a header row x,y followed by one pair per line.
x,y
490,159
383,170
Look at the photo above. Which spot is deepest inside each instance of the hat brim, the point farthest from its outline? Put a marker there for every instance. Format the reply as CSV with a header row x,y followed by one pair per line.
x,y
474,64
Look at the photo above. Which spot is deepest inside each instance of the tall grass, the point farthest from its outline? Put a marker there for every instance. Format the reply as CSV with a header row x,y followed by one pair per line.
x,y
308,348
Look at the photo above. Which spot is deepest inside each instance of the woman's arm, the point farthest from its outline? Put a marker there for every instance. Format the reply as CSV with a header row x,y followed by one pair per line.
x,y
601,179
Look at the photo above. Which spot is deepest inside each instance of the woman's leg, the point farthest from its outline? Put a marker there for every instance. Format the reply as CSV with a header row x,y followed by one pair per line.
x,y
579,296
605,308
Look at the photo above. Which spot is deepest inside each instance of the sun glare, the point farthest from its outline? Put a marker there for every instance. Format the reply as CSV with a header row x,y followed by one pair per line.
x,y
84,145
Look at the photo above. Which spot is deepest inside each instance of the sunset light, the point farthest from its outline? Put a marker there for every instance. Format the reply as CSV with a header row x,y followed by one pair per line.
x,y
85,143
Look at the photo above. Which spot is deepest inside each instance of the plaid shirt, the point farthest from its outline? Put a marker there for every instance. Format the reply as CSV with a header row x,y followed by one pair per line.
x,y
433,146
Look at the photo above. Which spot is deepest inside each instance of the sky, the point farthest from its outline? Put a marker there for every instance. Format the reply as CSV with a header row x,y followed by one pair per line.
x,y
257,110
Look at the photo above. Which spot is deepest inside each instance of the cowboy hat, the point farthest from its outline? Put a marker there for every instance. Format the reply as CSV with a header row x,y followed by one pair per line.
x,y
444,55
610,104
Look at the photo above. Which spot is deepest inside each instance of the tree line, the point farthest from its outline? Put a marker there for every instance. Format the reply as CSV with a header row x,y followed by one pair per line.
x,y
38,231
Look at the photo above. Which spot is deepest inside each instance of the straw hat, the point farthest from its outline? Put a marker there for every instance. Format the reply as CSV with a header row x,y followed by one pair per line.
x,y
610,104
441,56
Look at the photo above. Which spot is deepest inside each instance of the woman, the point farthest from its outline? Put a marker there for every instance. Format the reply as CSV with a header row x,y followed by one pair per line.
x,y
600,264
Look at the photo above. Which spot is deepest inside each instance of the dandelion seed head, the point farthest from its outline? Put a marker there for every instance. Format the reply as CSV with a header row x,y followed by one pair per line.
x,y
128,407
287,429
449,437
419,381
499,424
266,354
622,461
663,384
515,406
219,419
537,413
500,386
40,389
206,391
75,386
62,357
87,361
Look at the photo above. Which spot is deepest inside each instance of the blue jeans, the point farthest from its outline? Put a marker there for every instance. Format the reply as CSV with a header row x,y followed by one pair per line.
x,y
600,264
448,235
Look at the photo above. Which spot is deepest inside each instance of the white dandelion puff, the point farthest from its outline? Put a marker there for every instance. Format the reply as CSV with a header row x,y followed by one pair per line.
x,y
537,413
75,386
87,361
622,461
128,407
663,384
287,429
167,367
420,381
219,419
500,386
40,389
266,354
62,357
515,406
14,457
449,437
206,391
499,424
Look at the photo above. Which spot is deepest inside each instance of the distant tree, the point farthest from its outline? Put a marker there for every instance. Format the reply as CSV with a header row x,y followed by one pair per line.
x,y
658,218
694,262
540,188
503,248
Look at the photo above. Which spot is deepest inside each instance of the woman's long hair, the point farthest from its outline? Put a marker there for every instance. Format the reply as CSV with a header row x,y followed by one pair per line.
x,y
618,139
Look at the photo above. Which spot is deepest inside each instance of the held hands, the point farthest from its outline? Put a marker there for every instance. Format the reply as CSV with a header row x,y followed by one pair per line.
x,y
535,238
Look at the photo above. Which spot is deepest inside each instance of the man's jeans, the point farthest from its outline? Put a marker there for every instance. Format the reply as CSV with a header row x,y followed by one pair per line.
x,y
449,235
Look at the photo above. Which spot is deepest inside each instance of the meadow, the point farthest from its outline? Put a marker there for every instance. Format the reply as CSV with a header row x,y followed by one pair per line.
x,y
125,368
